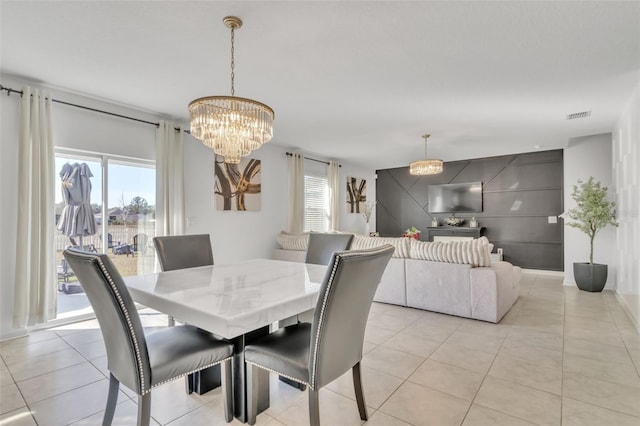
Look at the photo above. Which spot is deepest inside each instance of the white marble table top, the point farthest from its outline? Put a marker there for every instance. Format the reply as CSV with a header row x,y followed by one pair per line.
x,y
233,299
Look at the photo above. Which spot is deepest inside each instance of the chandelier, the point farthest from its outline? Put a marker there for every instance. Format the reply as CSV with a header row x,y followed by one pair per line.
x,y
426,166
231,126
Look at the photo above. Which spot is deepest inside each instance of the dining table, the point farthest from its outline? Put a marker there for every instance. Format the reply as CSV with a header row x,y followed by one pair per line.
x,y
238,301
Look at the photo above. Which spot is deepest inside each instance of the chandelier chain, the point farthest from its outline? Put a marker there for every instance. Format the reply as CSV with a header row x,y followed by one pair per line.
x,y
233,62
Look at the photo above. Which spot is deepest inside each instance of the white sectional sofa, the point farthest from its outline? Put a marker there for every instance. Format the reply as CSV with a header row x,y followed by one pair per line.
x,y
484,293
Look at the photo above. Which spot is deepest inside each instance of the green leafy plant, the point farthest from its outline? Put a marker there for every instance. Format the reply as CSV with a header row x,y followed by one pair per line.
x,y
593,211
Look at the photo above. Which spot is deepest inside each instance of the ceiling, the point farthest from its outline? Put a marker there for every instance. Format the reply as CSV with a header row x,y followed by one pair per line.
x,y
358,81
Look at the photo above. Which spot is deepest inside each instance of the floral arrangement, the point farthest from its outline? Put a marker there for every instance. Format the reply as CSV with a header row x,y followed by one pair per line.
x,y
367,210
412,232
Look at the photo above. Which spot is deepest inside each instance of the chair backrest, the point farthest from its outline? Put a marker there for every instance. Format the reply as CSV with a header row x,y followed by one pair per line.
x,y
127,356
140,242
342,310
183,251
322,246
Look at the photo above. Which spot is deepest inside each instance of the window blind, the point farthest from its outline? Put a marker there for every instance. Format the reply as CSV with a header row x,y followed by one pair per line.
x,y
316,203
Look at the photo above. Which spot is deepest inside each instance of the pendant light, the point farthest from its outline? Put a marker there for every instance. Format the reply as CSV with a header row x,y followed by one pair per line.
x,y
426,166
231,126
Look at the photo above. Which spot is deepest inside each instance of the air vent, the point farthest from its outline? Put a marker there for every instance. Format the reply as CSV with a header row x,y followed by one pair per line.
x,y
583,114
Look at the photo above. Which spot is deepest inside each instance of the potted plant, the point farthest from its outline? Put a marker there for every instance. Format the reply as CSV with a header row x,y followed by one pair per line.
x,y
592,213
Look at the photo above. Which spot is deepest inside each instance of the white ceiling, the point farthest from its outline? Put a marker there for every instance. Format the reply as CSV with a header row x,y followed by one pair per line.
x,y
358,81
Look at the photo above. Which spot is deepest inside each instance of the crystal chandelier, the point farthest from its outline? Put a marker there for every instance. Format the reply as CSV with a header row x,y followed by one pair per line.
x,y
426,166
231,126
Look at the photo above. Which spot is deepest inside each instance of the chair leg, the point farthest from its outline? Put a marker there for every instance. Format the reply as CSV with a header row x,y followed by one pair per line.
x,y
252,393
112,399
357,386
227,390
144,409
314,407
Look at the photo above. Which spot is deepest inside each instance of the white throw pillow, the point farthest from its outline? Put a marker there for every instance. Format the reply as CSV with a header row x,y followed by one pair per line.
x,y
364,242
472,252
293,241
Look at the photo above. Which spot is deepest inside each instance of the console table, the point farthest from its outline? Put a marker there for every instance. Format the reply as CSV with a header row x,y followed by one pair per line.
x,y
453,231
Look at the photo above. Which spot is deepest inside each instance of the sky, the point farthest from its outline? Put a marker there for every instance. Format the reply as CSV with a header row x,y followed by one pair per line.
x,y
125,181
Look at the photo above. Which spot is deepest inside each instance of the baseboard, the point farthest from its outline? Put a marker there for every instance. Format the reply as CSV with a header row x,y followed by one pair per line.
x,y
633,314
545,272
13,334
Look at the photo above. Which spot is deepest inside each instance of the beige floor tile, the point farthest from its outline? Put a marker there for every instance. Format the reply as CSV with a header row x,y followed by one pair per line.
x,y
449,379
483,416
34,366
631,339
170,401
441,321
270,422
74,405
17,353
32,337
576,413
126,415
485,328
463,356
408,342
378,386
390,361
535,339
377,335
335,410
10,398
282,396
83,337
5,375
483,342
433,332
390,321
590,324
546,358
368,347
419,405
19,417
602,337
76,327
59,381
213,414
608,371
381,419
520,401
527,373
91,350
595,350
603,394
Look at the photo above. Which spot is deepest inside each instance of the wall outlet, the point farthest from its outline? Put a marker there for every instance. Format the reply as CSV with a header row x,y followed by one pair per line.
x,y
552,219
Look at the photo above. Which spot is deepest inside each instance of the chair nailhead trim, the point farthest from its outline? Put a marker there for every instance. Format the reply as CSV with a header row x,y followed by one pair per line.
x,y
186,374
279,373
131,329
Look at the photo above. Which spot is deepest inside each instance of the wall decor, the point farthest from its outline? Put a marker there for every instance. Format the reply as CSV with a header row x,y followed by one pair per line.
x,y
356,194
238,186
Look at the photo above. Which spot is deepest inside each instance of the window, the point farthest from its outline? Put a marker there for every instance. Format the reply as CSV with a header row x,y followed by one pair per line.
x,y
316,203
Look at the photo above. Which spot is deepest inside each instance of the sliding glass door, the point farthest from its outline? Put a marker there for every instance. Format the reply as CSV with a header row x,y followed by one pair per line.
x,y
121,196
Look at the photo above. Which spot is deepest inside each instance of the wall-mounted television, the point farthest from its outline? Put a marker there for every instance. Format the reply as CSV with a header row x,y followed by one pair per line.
x,y
455,198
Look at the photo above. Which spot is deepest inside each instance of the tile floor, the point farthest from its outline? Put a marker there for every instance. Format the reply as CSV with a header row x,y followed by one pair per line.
x,y
560,356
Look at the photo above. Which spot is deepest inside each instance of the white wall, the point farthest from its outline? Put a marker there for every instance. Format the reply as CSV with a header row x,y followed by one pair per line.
x,y
585,157
235,235
626,167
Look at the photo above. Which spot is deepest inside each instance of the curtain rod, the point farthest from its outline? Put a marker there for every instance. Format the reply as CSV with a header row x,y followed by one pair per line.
x,y
312,159
126,117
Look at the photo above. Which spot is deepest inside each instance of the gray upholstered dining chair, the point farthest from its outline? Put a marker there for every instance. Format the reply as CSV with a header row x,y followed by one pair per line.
x,y
143,362
316,354
321,246
183,251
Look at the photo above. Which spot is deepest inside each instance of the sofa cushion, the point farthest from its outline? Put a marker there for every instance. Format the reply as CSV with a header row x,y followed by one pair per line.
x,y
293,241
364,242
472,252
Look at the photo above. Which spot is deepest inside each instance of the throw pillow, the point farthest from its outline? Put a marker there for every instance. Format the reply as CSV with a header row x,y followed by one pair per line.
x,y
364,242
293,241
472,252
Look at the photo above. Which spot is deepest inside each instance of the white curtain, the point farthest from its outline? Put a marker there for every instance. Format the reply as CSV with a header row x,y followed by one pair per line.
x,y
170,216
333,177
35,285
296,193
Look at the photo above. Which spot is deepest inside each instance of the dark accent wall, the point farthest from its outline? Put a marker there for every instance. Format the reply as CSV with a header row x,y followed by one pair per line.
x,y
519,192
